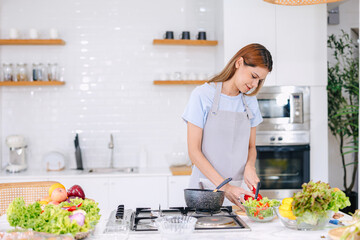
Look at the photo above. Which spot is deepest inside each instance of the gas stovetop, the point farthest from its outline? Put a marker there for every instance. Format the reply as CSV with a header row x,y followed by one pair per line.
x,y
143,219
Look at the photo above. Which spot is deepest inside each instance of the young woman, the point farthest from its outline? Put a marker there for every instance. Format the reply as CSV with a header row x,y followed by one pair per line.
x,y
221,117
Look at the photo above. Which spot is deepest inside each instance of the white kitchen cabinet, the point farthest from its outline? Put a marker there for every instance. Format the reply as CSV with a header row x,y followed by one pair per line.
x,y
248,22
301,45
96,188
138,191
295,36
177,184
110,191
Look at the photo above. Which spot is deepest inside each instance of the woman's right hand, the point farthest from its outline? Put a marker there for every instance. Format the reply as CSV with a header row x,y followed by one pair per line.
x,y
236,194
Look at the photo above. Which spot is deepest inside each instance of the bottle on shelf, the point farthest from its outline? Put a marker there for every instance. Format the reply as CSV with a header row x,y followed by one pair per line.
x,y
53,72
8,72
38,72
41,75
34,71
21,72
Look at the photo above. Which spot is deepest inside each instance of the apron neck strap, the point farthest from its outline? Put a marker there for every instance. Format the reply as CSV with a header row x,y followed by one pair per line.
x,y
215,105
248,112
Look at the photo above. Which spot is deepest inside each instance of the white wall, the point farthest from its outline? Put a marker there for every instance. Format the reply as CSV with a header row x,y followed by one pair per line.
x,y
110,64
219,30
349,18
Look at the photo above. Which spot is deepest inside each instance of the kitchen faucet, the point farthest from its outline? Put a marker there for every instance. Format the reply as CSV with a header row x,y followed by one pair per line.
x,y
111,147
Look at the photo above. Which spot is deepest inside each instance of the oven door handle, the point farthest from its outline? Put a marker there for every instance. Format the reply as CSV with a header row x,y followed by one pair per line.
x,y
277,176
283,148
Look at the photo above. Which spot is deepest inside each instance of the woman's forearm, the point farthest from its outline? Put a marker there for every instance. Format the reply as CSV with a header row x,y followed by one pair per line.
x,y
251,161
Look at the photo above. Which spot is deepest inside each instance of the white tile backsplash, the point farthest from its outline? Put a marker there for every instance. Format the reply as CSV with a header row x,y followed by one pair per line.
x,y
110,63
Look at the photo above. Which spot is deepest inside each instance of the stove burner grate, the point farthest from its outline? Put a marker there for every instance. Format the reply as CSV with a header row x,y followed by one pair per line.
x,y
143,219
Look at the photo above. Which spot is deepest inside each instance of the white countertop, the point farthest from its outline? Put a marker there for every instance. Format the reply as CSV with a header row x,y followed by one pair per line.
x,y
82,173
270,230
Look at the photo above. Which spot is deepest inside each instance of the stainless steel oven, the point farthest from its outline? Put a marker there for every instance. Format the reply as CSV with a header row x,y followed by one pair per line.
x,y
283,140
282,169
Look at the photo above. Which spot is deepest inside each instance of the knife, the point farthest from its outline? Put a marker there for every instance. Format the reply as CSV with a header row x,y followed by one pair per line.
x,y
78,157
257,190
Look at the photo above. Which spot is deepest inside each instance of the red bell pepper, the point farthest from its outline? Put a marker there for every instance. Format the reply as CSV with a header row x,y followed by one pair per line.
x,y
72,208
246,197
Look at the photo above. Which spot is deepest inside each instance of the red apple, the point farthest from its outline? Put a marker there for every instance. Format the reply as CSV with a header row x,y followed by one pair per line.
x,y
76,191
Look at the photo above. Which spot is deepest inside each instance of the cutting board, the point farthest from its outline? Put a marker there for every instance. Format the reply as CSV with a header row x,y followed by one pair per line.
x,y
180,170
238,211
336,233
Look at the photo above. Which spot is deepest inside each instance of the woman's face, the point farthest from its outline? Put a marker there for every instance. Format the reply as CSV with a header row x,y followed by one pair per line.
x,y
247,77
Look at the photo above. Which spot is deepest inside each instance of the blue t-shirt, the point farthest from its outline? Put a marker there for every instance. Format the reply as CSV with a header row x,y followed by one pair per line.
x,y
202,98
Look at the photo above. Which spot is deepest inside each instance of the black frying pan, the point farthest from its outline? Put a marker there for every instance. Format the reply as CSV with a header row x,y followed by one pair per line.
x,y
205,199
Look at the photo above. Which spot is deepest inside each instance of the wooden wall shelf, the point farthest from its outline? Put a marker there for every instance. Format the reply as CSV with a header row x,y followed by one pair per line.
x,y
179,82
32,42
184,42
37,83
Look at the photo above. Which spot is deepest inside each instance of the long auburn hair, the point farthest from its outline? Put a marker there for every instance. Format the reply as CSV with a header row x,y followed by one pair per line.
x,y
254,55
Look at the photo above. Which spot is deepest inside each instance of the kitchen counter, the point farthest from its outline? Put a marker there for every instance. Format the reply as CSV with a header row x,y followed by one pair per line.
x,y
271,230
69,173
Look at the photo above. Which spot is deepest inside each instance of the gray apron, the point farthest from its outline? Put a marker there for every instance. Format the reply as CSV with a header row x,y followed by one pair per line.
x,y
225,143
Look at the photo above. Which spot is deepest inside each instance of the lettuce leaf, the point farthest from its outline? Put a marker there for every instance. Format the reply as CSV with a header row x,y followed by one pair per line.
x,y
315,199
338,201
52,219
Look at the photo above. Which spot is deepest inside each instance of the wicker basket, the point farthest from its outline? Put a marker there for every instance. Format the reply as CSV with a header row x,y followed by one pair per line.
x,y
30,191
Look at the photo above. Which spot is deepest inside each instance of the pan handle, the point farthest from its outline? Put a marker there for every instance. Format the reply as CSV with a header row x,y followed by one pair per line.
x,y
222,184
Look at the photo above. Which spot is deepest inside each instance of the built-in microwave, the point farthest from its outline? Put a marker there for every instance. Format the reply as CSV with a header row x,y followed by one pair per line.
x,y
284,108
283,140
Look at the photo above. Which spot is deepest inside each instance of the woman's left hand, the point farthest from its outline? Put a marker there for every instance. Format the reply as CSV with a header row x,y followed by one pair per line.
x,y
250,177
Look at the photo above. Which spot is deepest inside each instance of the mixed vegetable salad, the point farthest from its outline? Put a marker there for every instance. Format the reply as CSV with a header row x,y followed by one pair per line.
x,y
316,198
261,208
73,216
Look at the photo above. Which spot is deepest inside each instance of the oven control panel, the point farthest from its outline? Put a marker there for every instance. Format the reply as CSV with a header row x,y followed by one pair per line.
x,y
282,138
296,109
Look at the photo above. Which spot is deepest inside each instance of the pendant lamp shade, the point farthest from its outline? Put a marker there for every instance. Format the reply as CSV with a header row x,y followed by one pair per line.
x,y
300,2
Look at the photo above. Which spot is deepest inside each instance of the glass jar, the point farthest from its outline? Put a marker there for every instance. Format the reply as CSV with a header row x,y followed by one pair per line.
x,y
38,72
8,72
21,72
53,72
41,75
34,71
